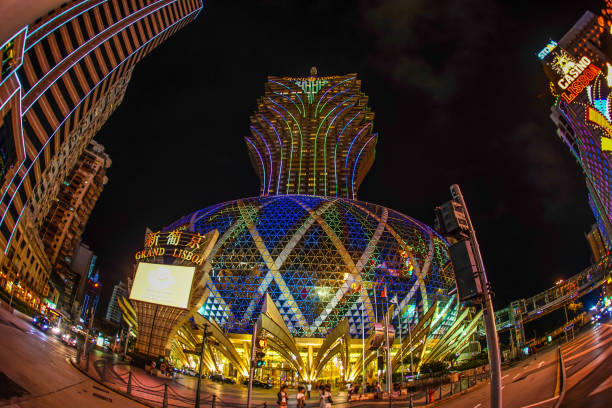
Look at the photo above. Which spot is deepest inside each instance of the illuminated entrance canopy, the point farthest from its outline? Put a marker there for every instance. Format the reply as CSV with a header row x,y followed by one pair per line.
x,y
168,285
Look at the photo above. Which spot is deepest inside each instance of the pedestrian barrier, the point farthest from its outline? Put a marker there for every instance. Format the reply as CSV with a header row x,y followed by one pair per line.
x,y
119,376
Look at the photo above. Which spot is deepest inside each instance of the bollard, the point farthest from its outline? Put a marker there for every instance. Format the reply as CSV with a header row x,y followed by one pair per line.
x,y
129,383
440,392
87,362
165,402
460,384
103,375
213,401
411,399
265,405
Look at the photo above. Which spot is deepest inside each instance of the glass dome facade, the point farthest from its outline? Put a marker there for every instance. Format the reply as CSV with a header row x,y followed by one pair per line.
x,y
322,259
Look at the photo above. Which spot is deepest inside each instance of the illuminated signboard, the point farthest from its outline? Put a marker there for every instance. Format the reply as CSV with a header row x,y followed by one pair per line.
x,y
176,243
168,285
546,50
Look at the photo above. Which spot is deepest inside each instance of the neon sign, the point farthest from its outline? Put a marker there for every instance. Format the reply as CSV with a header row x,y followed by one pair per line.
x,y
573,89
546,50
572,72
176,243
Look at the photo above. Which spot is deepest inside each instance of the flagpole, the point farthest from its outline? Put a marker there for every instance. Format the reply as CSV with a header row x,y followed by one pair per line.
x,y
363,390
399,320
387,342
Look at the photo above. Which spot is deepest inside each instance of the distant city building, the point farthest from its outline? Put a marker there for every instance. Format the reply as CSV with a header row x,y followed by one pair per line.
x,y
65,66
62,228
580,70
596,243
113,312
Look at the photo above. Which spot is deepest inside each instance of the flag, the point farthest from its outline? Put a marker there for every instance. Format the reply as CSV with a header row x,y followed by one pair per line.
x,y
394,299
384,292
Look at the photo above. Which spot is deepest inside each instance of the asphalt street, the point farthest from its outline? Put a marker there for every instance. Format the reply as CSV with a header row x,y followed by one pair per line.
x,y
589,369
35,372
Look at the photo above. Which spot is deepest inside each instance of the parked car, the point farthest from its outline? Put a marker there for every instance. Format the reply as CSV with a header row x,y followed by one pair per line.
x,y
228,380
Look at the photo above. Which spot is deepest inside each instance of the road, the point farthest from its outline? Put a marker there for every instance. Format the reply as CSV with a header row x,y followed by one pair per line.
x,y
34,372
589,369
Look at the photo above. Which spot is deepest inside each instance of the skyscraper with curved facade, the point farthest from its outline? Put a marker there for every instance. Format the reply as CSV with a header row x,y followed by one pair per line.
x,y
65,68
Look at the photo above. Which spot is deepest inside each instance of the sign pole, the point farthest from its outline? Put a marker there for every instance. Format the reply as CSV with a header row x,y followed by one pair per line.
x,y
252,368
204,334
487,306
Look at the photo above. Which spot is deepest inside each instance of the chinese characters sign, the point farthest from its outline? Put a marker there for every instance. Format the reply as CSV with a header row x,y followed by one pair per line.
x,y
176,243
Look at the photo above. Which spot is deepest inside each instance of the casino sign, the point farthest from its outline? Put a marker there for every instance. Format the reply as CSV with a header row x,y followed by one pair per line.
x,y
177,243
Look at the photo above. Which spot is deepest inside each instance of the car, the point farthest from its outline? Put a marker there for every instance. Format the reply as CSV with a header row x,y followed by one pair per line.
x,y
228,380
41,323
69,340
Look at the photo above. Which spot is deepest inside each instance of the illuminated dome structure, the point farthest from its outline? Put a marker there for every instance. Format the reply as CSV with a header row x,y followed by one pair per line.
x,y
318,257
306,263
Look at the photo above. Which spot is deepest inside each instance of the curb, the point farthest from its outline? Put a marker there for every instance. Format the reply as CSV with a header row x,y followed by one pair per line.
x,y
125,395
562,378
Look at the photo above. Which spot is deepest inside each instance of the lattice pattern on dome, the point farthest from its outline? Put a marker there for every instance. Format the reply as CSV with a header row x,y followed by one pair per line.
x,y
321,260
312,136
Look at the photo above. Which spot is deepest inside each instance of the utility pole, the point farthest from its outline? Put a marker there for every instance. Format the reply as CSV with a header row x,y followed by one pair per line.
x,y
204,335
252,368
487,306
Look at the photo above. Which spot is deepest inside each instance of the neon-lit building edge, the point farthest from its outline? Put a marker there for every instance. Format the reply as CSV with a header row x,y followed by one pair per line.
x,y
327,267
65,67
579,68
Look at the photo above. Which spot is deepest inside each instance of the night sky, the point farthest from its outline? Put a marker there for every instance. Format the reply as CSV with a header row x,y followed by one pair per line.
x,y
458,93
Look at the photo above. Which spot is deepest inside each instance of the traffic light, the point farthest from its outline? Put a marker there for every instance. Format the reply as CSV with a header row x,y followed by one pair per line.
x,y
466,270
260,344
450,218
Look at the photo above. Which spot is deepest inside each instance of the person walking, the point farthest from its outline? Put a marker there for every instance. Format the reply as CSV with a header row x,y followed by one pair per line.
x,y
300,397
308,389
326,398
282,396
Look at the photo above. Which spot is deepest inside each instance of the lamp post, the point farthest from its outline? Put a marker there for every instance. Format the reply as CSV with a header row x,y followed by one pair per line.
x,y
204,335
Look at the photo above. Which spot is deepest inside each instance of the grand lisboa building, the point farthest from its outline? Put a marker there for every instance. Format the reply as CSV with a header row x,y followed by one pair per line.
x,y
316,268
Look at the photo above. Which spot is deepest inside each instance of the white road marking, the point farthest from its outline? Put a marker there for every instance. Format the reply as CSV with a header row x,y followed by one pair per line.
x,y
541,364
514,378
479,405
582,353
540,403
504,376
602,387
587,369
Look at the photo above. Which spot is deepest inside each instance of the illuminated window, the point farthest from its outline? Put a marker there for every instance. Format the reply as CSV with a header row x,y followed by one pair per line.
x,y
8,58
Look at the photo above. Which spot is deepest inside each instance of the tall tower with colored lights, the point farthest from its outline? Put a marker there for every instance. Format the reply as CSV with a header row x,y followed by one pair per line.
x,y
312,135
580,72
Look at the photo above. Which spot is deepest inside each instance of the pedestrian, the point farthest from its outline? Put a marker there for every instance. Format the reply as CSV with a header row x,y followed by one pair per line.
x,y
349,392
327,397
308,389
282,396
378,391
321,398
300,397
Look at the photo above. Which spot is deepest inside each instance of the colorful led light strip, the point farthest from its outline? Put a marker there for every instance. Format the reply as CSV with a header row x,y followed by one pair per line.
x,y
263,168
336,149
269,157
291,155
355,165
290,100
94,40
325,142
329,89
295,93
68,116
314,167
301,140
280,167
